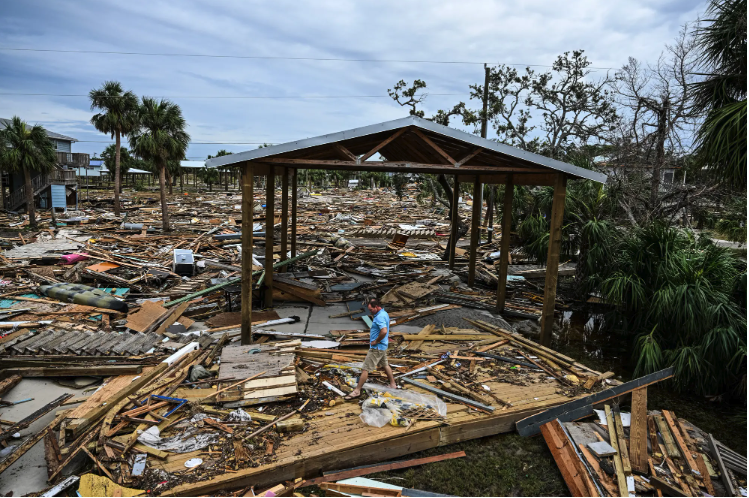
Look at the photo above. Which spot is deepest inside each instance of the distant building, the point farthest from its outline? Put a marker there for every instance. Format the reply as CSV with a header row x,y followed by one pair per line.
x,y
58,188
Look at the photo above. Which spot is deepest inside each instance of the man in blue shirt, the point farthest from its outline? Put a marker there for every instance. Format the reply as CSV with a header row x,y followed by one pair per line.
x,y
378,345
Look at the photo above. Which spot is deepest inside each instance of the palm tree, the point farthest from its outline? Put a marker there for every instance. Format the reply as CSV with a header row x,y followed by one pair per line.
x,y
119,117
26,150
722,93
160,137
209,176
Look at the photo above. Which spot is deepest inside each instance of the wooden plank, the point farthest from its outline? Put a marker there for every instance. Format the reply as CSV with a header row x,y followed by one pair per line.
x,y
618,466
448,337
435,147
144,319
173,317
29,443
9,383
359,490
664,487
423,333
727,482
475,218
299,292
34,416
77,426
603,478
247,223
93,370
504,247
638,431
559,445
668,440
670,419
622,446
582,407
285,211
470,156
371,469
552,259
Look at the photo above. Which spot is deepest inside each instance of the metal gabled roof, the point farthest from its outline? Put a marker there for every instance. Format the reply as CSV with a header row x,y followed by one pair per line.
x,y
508,152
51,134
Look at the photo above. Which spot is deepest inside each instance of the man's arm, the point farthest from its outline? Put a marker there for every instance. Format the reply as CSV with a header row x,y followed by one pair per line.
x,y
383,333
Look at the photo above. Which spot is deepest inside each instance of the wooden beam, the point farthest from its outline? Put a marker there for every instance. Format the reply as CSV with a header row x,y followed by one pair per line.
x,y
343,151
91,370
638,431
618,465
284,215
552,260
395,165
453,241
434,146
381,145
721,466
670,419
475,218
248,204
293,211
565,456
270,192
504,248
623,450
469,157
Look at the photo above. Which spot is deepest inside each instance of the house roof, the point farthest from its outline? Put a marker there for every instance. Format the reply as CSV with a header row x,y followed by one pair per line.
x,y
51,134
486,156
192,164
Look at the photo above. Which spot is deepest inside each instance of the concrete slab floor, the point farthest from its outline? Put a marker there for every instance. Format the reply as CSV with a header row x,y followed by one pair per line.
x,y
29,473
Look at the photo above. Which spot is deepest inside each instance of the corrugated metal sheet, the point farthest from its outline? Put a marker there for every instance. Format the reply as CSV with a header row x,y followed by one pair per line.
x,y
58,196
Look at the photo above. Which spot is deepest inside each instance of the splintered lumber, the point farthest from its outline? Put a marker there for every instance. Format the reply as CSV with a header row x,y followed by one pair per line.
x,y
268,426
233,385
383,467
618,466
88,371
680,440
27,421
638,431
28,444
76,427
173,317
582,407
668,440
448,337
566,459
9,383
727,482
147,317
354,489
603,478
664,487
622,447
424,332
595,380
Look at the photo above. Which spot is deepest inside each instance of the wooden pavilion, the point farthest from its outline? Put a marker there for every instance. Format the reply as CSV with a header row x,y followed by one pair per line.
x,y
412,145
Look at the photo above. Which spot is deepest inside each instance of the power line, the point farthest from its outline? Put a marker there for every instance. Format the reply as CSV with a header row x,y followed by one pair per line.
x,y
266,57
258,97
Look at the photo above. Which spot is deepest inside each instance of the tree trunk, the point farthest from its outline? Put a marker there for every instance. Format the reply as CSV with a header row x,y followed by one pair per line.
x,y
2,191
117,179
659,155
30,208
210,187
169,180
181,182
164,211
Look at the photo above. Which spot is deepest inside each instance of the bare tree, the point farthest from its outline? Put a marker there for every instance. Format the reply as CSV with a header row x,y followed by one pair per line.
x,y
657,132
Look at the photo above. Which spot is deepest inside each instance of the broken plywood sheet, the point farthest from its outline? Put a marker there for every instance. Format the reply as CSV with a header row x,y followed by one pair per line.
x,y
149,314
238,363
275,386
235,318
105,391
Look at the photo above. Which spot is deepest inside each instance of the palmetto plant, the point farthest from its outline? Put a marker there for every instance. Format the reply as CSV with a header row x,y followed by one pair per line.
x,y
119,117
160,138
26,150
677,292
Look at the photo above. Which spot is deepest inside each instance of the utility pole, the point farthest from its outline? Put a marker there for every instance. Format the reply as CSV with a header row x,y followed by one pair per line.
x,y
484,126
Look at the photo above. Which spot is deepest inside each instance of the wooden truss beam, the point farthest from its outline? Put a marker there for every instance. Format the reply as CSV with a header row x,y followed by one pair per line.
x,y
435,147
468,157
381,145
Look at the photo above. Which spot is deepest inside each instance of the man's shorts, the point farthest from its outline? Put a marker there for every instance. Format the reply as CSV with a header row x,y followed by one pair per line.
x,y
375,358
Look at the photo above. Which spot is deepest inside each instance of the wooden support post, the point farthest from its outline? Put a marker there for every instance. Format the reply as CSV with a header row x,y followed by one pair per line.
x,y
453,241
270,217
504,247
293,212
284,216
552,260
248,204
475,218
638,431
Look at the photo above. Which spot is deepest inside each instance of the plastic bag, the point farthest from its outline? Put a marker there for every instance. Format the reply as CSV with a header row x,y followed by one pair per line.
x,y
182,443
398,401
376,417
239,415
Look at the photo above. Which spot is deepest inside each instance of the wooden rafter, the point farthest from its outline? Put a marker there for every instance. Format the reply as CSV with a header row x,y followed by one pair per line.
x,y
344,152
381,145
379,165
434,146
468,157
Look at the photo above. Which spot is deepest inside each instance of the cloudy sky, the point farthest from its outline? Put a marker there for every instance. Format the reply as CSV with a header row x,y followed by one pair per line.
x,y
255,96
